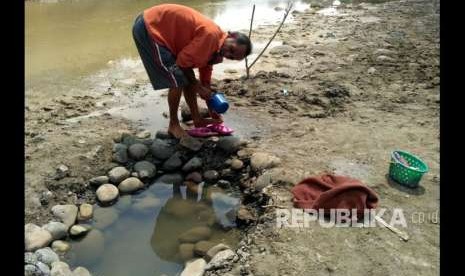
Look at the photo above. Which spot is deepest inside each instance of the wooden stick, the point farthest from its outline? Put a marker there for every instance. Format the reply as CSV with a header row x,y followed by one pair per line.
x,y
288,9
247,69
402,235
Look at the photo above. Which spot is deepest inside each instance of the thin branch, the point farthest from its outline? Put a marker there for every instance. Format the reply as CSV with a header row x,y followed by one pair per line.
x,y
247,69
288,9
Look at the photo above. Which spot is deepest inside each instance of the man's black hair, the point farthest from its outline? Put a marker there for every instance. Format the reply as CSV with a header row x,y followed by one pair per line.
x,y
243,39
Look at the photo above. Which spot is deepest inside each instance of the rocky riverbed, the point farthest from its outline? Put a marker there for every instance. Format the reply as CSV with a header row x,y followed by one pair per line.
x,y
349,85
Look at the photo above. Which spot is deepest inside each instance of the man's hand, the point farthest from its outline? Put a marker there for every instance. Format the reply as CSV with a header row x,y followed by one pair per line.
x,y
204,92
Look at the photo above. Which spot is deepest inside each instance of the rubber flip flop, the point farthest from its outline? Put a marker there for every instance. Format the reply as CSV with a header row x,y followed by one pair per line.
x,y
201,132
221,129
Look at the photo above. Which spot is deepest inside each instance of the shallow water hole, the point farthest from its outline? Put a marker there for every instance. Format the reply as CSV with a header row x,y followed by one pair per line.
x,y
147,232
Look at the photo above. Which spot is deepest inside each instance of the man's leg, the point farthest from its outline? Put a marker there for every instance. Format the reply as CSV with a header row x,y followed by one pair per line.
x,y
174,96
191,100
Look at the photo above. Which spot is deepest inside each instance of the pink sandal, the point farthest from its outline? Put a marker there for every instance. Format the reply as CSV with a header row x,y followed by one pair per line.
x,y
220,128
201,132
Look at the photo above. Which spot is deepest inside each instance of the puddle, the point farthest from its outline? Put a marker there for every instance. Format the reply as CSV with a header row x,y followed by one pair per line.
x,y
139,234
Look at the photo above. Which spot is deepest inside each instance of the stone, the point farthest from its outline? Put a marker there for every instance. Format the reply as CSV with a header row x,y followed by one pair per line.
x,y
378,52
371,70
237,164
282,49
214,250
223,184
66,213
278,8
211,175
99,180
57,229
120,153
147,203
60,269
43,268
32,270
138,151
195,234
90,248
186,251
175,179
201,248
260,161
61,172
104,217
162,134
194,176
107,193
145,169
229,144
221,259
31,258
161,149
246,215
47,256
81,271
130,185
180,208
61,246
191,143
78,230
85,212
194,267
193,164
143,134
384,58
173,163
118,174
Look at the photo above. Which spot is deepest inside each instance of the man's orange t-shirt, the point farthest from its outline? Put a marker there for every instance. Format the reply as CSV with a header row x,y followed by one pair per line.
x,y
190,36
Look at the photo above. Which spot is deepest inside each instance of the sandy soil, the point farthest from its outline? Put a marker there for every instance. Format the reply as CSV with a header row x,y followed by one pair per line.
x,y
345,110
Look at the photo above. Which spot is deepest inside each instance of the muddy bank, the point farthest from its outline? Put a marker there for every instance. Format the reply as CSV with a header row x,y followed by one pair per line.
x,y
344,92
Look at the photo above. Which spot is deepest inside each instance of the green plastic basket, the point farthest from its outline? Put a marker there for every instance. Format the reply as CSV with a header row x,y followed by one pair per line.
x,y
404,175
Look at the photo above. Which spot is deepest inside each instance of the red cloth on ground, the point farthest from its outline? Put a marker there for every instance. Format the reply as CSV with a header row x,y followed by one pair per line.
x,y
329,191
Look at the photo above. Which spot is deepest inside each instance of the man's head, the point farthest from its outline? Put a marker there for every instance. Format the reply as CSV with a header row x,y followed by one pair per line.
x,y
236,46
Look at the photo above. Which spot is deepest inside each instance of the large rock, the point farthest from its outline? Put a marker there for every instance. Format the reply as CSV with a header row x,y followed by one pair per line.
x,y
32,270
66,213
163,134
138,151
44,269
60,269
161,149
214,250
175,179
57,229
211,175
221,259
260,161
194,176
104,217
193,164
31,258
173,163
120,153
194,268
81,271
78,230
130,185
195,234
91,248
230,144
186,251
237,164
145,169
118,174
85,212
61,246
201,248
246,215
47,256
99,180
282,49
107,193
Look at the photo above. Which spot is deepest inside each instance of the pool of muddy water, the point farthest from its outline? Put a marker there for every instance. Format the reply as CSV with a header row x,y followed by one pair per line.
x,y
139,234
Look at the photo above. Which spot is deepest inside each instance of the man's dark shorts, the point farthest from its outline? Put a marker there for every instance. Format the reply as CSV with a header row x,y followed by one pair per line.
x,y
158,61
